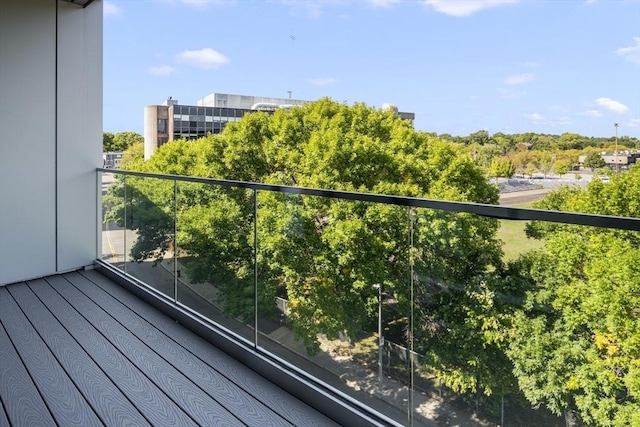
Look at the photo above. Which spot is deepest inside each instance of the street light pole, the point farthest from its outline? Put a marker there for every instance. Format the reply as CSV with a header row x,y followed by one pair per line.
x,y
378,286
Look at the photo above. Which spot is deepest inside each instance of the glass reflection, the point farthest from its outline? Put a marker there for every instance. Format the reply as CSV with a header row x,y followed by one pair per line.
x,y
214,260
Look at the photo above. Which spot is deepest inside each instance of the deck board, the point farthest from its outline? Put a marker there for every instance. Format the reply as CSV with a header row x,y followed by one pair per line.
x,y
4,421
205,409
257,386
78,349
148,398
20,397
65,402
209,381
111,405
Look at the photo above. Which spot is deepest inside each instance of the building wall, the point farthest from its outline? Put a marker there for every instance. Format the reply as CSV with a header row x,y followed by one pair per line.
x,y
151,129
242,101
184,121
50,144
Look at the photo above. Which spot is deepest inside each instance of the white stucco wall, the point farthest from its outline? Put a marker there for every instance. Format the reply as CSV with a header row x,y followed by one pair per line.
x,y
50,136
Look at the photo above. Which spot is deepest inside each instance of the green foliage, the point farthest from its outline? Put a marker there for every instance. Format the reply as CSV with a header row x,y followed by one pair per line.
x,y
594,161
562,166
120,141
107,142
324,255
502,167
576,343
132,156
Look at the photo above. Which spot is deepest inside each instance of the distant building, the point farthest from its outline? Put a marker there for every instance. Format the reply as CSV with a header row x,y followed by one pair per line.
x,y
622,160
170,120
616,161
111,160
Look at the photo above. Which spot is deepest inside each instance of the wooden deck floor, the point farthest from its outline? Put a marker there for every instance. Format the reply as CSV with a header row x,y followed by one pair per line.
x,y
79,350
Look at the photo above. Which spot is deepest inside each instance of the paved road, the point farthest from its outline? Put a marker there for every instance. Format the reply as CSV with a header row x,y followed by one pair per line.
x,y
519,197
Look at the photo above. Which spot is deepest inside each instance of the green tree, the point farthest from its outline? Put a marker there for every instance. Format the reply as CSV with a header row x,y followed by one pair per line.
x,y
575,344
107,142
594,161
485,154
544,162
568,141
124,140
502,167
562,166
132,155
325,256
520,160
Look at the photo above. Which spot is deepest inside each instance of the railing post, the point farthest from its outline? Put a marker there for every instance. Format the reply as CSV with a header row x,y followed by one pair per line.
x,y
99,216
412,221
175,241
124,229
255,268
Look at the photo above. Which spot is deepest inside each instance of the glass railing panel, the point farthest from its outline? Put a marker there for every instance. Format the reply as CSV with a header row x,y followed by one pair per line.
x,y
215,254
112,237
569,303
454,258
429,316
333,293
149,225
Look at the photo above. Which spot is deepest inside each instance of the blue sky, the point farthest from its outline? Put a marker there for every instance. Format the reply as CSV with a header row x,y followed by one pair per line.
x,y
507,66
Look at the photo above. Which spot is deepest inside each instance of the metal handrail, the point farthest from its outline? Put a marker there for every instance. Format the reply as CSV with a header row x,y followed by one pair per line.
x,y
492,211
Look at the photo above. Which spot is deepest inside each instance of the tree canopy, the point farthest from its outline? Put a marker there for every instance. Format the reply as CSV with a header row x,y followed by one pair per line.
x,y
594,161
559,325
576,343
120,141
325,256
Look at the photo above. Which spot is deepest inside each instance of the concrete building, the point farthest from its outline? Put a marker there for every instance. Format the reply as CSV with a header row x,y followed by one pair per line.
x,y
170,120
621,160
616,161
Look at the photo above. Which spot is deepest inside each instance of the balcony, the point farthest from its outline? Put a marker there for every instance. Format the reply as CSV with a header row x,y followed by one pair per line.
x,y
147,337
221,283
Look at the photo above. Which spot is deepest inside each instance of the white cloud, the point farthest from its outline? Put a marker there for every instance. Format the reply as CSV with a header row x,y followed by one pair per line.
x,y
204,3
206,58
382,3
633,123
611,105
322,81
591,113
519,79
162,71
197,3
510,93
631,53
539,119
529,64
464,7
110,9
311,8
536,117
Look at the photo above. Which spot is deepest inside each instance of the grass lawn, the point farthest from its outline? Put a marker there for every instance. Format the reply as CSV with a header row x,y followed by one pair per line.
x,y
515,241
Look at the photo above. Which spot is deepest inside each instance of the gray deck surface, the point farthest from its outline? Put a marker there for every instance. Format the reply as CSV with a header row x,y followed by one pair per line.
x,y
79,350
